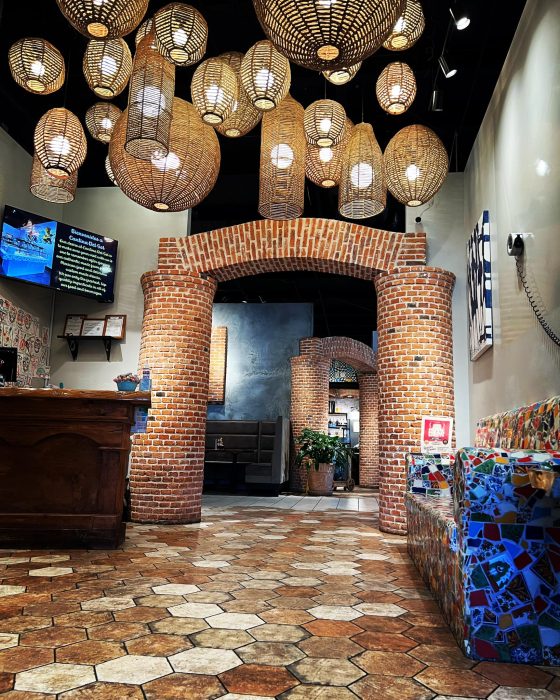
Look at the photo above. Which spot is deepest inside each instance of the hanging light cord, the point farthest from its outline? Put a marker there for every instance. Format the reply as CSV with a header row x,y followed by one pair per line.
x,y
534,305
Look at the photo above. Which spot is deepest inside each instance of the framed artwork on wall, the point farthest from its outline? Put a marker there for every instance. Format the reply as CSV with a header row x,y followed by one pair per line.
x,y
479,281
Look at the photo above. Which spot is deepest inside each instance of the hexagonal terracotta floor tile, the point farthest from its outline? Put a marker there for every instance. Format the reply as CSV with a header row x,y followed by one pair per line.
x,y
389,663
279,633
104,691
454,681
222,639
205,660
381,641
334,612
133,669
270,653
52,571
316,692
108,603
235,621
54,678
375,687
254,679
380,609
22,658
435,655
8,640
180,685
332,628
175,589
53,637
6,591
158,645
329,647
179,625
90,651
201,610
515,675
118,631
326,672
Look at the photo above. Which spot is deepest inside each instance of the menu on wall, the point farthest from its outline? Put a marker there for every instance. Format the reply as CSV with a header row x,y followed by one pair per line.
x,y
437,432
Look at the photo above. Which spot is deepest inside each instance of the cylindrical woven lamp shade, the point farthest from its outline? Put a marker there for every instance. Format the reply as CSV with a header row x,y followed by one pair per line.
x,y
101,119
342,75
396,88
244,117
415,165
150,102
326,34
324,122
103,19
143,30
60,190
181,33
408,28
109,170
107,67
179,180
265,75
282,162
362,192
60,142
36,65
214,90
323,166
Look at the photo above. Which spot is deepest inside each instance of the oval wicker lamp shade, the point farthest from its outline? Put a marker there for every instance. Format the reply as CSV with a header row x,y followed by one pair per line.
x,y
282,162
60,142
177,181
244,116
327,34
324,122
60,190
323,166
362,192
396,88
415,165
36,65
109,170
143,30
103,19
150,102
107,67
181,33
265,75
408,28
342,75
101,119
214,90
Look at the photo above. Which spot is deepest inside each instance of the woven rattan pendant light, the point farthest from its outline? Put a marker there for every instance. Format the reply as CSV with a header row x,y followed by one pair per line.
x,y
179,180
323,166
324,122
415,165
362,192
150,102
214,90
101,119
60,190
36,65
265,75
328,34
244,116
103,19
396,88
181,33
143,30
107,67
109,170
282,162
342,75
60,142
408,28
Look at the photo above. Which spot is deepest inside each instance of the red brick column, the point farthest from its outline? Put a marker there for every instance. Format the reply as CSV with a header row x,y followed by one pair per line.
x,y
369,435
167,462
415,367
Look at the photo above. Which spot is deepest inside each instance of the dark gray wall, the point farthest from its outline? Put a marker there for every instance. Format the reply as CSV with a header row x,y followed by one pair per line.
x,y
261,340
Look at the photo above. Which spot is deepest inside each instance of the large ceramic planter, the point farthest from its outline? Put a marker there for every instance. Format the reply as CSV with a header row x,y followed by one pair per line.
x,y
320,481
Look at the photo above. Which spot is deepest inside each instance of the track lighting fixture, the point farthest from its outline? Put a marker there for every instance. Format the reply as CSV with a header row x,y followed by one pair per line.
x,y
447,70
436,103
460,16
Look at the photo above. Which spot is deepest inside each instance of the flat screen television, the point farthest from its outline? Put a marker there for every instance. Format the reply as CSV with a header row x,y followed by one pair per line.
x,y
46,252
8,365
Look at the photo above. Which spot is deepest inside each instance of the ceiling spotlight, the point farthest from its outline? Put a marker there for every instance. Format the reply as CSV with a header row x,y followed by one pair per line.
x,y
436,103
447,70
460,16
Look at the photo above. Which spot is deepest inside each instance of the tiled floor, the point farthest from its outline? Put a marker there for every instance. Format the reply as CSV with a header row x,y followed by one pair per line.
x,y
362,502
251,604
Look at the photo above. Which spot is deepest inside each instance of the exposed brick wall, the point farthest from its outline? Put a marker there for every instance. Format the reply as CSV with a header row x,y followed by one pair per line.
x,y
359,355
369,433
218,365
415,366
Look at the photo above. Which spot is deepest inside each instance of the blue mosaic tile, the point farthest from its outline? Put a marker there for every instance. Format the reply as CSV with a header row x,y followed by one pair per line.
x,y
429,475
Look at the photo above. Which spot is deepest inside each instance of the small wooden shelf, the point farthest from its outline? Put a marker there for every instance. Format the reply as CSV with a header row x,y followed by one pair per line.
x,y
74,343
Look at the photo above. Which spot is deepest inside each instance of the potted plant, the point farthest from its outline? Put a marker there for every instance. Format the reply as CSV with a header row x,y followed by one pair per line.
x,y
318,452
127,382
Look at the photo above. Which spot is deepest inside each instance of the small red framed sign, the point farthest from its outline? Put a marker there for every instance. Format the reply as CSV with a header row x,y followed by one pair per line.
x,y
437,434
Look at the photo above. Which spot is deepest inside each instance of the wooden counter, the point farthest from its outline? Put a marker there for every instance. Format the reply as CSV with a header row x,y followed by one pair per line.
x,y
63,460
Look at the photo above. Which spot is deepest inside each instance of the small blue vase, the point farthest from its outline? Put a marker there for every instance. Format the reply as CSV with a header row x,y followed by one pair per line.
x,y
126,386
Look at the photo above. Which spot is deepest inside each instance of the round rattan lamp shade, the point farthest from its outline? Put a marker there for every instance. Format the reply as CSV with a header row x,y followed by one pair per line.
x,y
415,165
324,122
244,116
342,75
109,170
282,162
143,30
177,181
265,75
214,90
181,33
408,28
107,67
101,119
36,65
60,190
362,192
396,88
103,19
60,142
327,34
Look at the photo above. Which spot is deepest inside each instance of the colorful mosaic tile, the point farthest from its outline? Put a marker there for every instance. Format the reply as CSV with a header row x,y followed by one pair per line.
x,y
429,474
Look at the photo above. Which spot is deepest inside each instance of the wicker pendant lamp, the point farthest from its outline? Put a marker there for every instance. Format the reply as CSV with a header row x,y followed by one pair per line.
x,y
150,102
408,28
244,116
396,88
362,192
109,170
101,119
60,142
60,190
415,165
342,75
265,75
36,65
103,19
328,34
181,33
324,122
107,67
177,181
323,166
143,30
282,162
214,90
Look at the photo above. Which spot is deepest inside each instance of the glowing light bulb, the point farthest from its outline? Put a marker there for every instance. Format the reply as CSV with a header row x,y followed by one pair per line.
x,y
325,125
60,145
412,172
214,94
282,156
37,68
395,91
180,37
326,155
264,79
152,100
98,3
108,66
169,162
400,25
326,3
361,175
107,123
